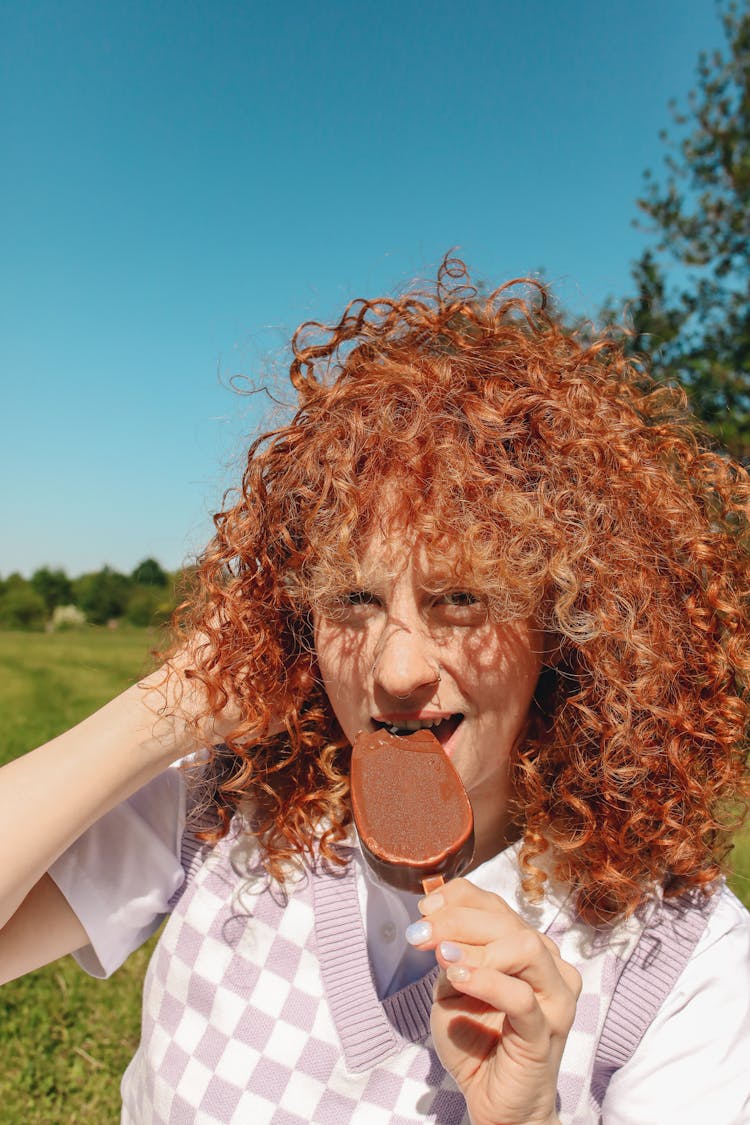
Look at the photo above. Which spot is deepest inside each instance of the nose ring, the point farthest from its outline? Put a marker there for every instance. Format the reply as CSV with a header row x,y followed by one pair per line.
x,y
435,679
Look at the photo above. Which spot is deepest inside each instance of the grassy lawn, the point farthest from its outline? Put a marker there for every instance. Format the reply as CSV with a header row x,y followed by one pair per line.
x,y
49,681
65,1039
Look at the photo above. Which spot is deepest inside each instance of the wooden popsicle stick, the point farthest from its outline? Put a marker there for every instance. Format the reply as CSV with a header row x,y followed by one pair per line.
x,y
432,883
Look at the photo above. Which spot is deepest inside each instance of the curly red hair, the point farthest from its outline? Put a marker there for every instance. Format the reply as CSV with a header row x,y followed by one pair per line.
x,y
566,485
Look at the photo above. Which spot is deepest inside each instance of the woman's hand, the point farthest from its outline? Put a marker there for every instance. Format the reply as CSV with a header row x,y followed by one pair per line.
x,y
504,1004
178,692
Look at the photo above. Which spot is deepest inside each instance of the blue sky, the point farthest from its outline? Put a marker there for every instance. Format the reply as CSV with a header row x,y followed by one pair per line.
x,y
185,182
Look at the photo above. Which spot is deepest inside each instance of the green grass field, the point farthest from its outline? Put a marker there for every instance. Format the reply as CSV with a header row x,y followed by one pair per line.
x,y
65,1039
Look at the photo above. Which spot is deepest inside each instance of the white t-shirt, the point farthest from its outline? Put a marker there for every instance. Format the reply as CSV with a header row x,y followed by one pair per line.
x,y
121,874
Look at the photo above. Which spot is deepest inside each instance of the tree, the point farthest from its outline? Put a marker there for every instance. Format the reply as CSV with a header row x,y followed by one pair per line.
x,y
21,607
149,573
149,605
53,586
700,216
102,595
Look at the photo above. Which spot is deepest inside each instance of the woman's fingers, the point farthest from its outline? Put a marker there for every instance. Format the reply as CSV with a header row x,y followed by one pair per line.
x,y
504,1002
513,997
534,1015
473,929
487,952
523,955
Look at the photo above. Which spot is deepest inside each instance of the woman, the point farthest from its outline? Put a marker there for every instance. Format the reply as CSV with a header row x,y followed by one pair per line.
x,y
474,522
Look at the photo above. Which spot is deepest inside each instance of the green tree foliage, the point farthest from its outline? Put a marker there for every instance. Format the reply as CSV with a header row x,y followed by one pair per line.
x,y
21,607
149,605
152,598
53,586
149,573
103,595
699,214
148,597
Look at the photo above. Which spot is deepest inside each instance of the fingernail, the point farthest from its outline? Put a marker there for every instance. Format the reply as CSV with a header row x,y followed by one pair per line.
x,y
431,903
449,951
418,933
457,973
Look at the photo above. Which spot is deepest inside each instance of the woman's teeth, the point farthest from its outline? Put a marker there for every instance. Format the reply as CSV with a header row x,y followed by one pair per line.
x,y
442,728
411,725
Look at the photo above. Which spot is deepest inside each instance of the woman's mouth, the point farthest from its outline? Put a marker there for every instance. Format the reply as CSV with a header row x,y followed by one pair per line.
x,y
442,728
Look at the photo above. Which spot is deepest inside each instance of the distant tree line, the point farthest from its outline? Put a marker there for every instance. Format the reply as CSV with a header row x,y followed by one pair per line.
x,y
147,596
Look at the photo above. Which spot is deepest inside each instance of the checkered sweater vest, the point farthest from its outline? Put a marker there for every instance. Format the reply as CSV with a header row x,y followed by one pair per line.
x,y
259,1007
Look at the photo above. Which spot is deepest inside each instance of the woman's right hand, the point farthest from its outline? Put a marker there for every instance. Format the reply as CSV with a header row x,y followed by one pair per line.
x,y
503,1004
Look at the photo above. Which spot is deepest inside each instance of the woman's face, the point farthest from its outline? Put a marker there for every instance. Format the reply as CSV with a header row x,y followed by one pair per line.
x,y
409,648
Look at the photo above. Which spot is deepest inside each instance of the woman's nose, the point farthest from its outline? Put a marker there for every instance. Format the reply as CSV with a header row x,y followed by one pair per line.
x,y
404,662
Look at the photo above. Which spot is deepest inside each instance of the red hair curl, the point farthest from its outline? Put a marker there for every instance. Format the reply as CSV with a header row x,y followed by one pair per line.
x,y
554,474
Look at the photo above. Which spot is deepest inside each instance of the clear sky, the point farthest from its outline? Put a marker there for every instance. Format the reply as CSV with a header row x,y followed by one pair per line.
x,y
184,182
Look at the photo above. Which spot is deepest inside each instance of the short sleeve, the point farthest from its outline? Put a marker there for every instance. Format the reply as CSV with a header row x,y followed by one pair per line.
x,y
120,874
692,1064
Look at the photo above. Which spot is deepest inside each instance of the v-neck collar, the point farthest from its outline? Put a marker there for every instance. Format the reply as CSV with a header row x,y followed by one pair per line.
x,y
371,1030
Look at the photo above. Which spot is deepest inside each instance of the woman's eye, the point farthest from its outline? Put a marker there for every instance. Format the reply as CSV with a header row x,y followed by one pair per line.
x,y
359,597
460,597
352,606
461,607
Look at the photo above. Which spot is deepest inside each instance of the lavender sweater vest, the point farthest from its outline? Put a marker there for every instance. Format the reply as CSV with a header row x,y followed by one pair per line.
x,y
259,1007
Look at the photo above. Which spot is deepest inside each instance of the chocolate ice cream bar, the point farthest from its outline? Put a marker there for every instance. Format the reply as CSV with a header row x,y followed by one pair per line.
x,y
412,814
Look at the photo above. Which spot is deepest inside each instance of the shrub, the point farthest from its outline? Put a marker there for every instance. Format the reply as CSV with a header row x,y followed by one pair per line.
x,y
52,585
22,608
67,617
102,595
148,605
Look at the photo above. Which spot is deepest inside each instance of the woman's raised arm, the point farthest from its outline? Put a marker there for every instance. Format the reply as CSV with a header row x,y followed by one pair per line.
x,y
51,795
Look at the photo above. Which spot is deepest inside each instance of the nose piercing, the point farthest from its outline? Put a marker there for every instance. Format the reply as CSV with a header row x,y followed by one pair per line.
x,y
435,679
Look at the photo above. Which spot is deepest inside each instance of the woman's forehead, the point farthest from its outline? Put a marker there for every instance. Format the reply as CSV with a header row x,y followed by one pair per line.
x,y
393,547
435,555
